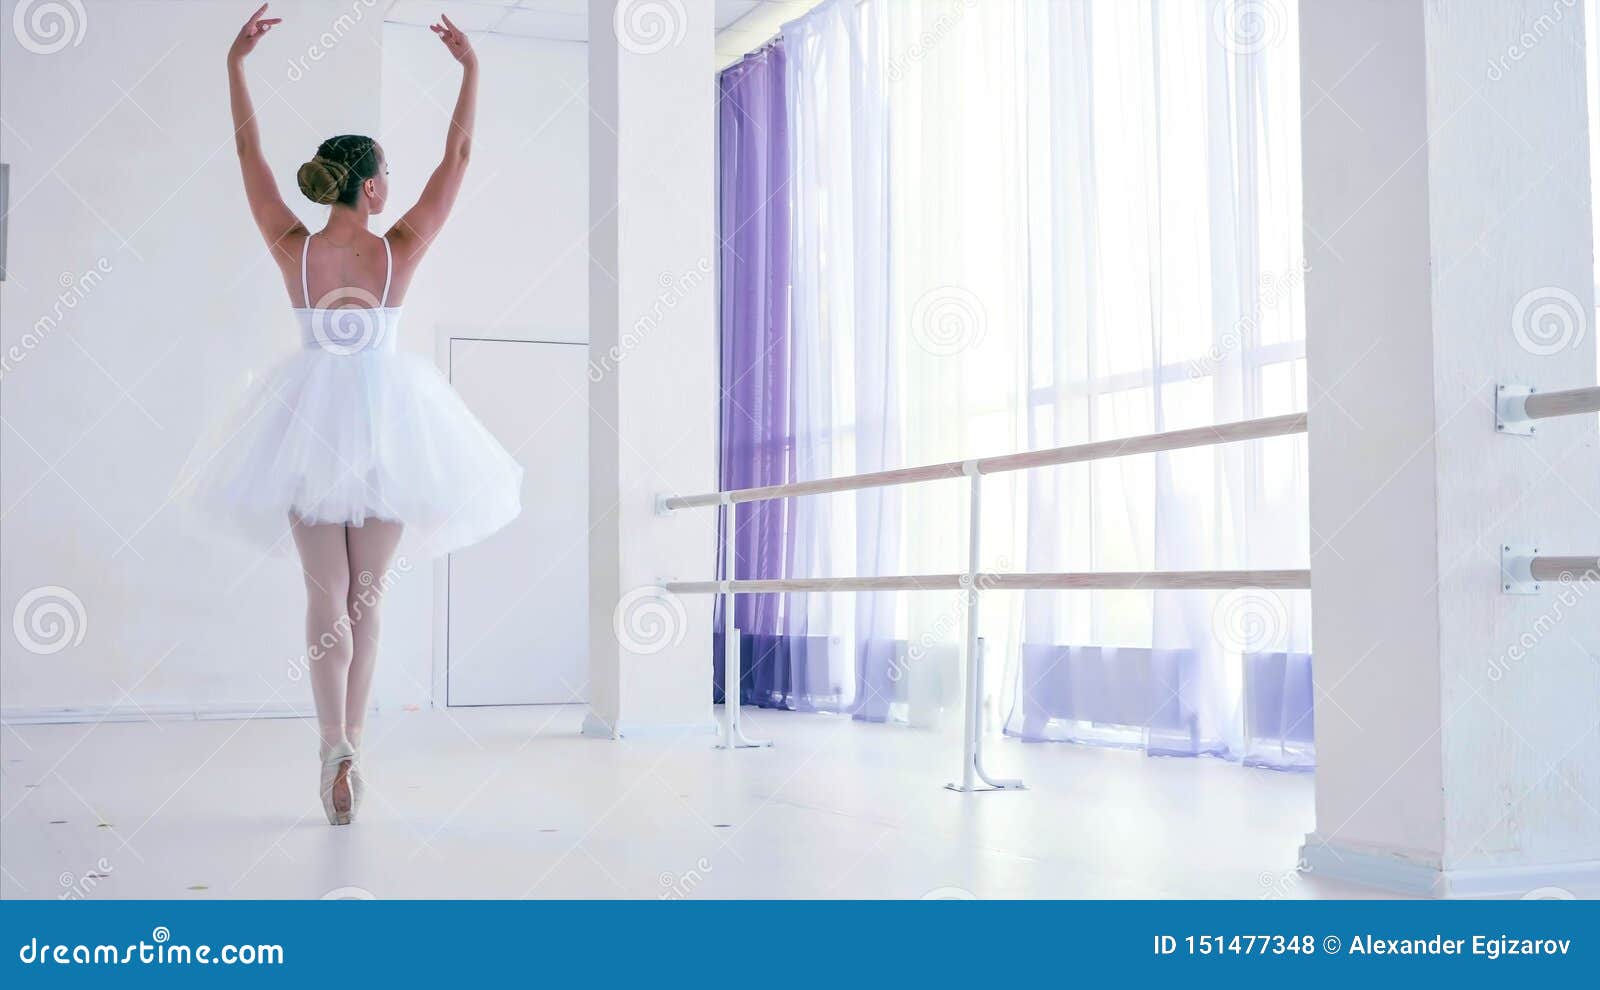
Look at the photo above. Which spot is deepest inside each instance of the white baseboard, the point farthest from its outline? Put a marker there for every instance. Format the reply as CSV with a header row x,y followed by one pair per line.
x,y
1398,870
1543,882
151,713
598,728
190,713
1411,872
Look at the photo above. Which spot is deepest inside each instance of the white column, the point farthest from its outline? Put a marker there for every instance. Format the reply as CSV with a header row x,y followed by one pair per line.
x,y
1449,244
653,369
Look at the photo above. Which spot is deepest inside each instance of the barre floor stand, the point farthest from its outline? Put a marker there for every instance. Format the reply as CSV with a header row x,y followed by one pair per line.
x,y
972,723
733,736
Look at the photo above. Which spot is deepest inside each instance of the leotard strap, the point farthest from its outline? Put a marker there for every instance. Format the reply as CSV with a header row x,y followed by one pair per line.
x,y
388,272
305,289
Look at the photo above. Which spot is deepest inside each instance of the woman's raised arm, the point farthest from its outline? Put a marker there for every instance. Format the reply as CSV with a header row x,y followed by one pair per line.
x,y
271,214
421,224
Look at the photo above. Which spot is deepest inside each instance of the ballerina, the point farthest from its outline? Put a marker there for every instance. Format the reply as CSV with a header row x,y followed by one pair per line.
x,y
352,451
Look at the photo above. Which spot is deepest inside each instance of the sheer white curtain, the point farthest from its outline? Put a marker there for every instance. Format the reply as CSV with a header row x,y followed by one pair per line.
x,y
1023,223
908,292
1165,280
845,388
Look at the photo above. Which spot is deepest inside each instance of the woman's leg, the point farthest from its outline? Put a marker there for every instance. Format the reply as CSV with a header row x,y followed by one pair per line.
x,y
371,546
325,564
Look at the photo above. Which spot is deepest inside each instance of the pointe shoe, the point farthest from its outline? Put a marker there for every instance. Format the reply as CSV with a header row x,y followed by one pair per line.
x,y
358,785
336,790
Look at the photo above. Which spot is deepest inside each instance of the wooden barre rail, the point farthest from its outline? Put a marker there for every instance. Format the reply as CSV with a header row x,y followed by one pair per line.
x,y
1553,568
993,581
1546,405
1202,436
972,581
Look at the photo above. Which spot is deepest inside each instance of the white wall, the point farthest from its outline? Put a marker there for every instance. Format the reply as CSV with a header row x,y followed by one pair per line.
x,y
515,253
653,410
1369,351
1512,232
1446,189
121,149
122,163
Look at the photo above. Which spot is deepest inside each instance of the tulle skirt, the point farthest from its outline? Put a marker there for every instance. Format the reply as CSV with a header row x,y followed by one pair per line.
x,y
344,438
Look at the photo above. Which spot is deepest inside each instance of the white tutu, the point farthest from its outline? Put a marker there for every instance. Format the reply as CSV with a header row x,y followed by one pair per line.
x,y
349,430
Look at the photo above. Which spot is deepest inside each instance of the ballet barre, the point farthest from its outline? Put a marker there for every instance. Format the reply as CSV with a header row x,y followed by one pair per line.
x,y
972,580
1518,407
1555,568
1202,436
1524,571
1006,581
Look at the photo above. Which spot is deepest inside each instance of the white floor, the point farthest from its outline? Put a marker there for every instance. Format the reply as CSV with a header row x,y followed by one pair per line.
x,y
512,802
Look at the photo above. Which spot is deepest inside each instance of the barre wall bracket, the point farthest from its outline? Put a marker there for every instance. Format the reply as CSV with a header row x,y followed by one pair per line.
x,y
1511,411
1516,569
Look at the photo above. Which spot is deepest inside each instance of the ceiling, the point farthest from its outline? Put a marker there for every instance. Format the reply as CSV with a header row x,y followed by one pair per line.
x,y
742,25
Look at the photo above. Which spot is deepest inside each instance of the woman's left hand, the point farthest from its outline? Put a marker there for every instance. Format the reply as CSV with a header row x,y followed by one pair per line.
x,y
455,40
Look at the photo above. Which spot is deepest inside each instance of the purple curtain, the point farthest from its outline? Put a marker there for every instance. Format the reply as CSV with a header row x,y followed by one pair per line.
x,y
756,418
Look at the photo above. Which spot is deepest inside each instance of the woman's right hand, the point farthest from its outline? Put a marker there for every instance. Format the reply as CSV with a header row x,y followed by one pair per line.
x,y
455,40
252,32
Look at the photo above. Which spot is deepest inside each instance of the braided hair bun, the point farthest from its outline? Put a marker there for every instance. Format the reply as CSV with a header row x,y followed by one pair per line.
x,y
322,179
341,164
